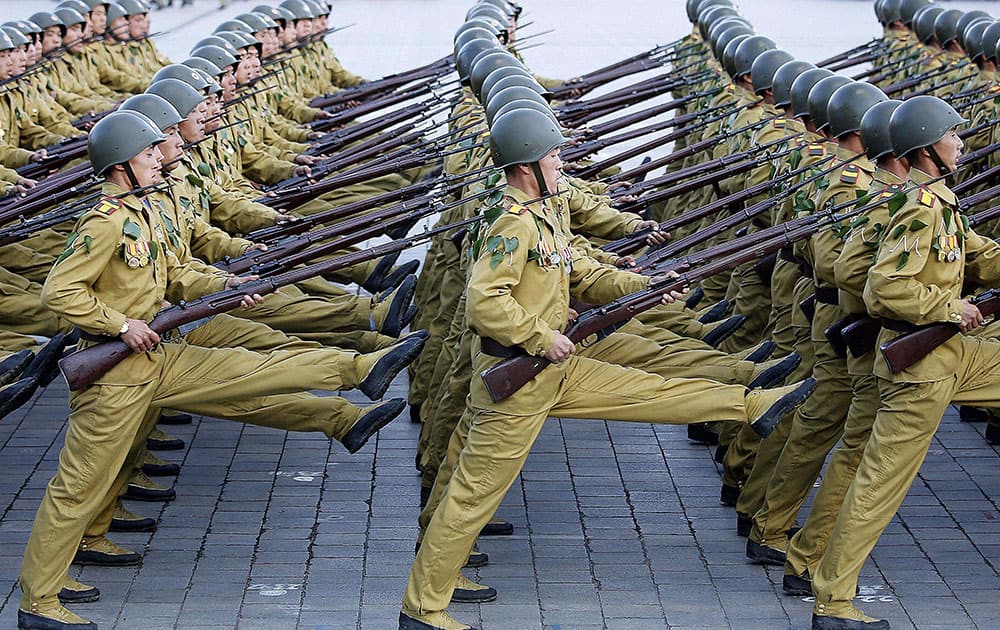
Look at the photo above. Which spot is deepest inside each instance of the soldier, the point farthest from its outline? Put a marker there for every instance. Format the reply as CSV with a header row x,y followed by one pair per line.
x,y
805,548
504,309
928,253
112,278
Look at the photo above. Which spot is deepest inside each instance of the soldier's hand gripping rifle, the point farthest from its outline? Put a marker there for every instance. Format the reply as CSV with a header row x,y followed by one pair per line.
x,y
84,367
57,156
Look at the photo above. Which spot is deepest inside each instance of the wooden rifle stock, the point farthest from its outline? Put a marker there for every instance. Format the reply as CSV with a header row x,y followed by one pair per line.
x,y
909,348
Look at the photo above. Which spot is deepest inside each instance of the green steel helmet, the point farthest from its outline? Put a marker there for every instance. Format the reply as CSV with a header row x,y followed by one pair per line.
x,y
875,129
691,7
487,25
471,34
765,66
17,38
181,73
971,17
181,95
70,17
946,26
517,79
781,86
923,23
298,8
526,104
487,63
154,108
890,12
256,21
726,22
214,88
991,37
496,75
920,122
819,98
801,87
77,5
215,40
93,4
44,20
700,7
200,64
133,7
217,56
233,25
119,137
726,35
849,103
729,53
5,42
516,93
26,27
972,38
115,11
909,8
235,39
319,8
747,53
523,136
489,11
280,15
469,52
709,18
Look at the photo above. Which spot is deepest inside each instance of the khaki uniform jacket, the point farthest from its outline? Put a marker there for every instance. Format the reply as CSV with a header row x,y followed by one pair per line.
x,y
525,271
847,185
920,270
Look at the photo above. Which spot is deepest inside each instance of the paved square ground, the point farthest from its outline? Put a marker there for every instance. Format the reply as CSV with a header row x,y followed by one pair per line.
x,y
617,526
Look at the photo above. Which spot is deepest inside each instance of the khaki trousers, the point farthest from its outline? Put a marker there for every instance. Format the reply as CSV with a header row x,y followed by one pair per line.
x,y
106,418
500,437
907,418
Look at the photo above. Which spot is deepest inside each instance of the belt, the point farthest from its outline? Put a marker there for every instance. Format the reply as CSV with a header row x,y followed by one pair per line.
x,y
494,348
785,253
899,325
86,336
827,295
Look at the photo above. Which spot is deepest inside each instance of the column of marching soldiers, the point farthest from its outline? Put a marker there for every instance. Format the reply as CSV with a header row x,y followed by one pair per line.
x,y
807,212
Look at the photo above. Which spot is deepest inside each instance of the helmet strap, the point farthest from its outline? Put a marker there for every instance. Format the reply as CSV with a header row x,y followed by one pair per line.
x,y
543,190
131,176
937,160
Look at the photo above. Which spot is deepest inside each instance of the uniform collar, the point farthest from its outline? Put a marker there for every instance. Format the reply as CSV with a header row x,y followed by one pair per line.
x,y
110,189
939,187
887,178
521,198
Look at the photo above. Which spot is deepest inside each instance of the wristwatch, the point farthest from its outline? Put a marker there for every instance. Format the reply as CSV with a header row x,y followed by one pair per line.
x,y
123,330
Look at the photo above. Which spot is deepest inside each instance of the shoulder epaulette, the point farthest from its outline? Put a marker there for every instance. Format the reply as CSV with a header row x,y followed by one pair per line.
x,y
517,209
849,174
816,149
108,206
925,197
779,123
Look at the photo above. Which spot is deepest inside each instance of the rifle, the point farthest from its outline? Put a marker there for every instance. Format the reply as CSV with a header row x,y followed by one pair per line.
x,y
598,80
719,227
353,133
31,202
646,114
509,375
853,61
27,227
920,78
583,78
83,367
874,43
419,189
89,119
293,251
340,118
584,149
893,68
910,347
389,82
57,155
708,166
